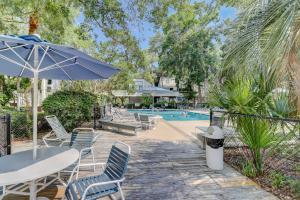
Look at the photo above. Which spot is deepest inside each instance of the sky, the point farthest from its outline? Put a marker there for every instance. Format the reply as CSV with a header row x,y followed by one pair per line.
x,y
146,31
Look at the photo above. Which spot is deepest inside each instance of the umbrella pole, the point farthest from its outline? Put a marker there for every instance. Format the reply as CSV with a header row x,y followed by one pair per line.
x,y
35,101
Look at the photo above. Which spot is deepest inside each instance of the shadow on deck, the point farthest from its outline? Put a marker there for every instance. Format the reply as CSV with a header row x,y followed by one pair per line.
x,y
161,169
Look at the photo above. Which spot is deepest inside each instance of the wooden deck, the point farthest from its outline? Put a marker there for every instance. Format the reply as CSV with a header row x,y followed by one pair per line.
x,y
169,169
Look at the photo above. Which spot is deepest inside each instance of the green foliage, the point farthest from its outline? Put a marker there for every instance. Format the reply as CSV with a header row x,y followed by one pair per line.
x,y
103,99
254,92
187,50
147,100
265,34
173,104
259,136
21,122
298,168
22,125
7,86
3,99
53,16
249,170
71,107
295,184
277,179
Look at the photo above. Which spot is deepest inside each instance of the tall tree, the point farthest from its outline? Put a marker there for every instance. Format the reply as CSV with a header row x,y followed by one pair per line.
x,y
53,20
188,44
119,47
267,33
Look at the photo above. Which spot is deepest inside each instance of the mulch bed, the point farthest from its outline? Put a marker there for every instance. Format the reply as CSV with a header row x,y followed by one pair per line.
x,y
235,159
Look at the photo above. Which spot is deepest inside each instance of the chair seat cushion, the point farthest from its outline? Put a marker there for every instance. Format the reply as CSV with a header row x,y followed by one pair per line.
x,y
76,188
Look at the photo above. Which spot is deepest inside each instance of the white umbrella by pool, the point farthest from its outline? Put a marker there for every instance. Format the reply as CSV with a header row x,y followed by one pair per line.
x,y
29,56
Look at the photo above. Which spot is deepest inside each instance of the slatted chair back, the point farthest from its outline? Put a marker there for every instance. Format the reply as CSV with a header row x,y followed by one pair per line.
x,y
144,118
117,162
81,140
137,116
57,127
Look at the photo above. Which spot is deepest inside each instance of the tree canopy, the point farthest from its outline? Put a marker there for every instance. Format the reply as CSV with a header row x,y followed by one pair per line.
x,y
183,46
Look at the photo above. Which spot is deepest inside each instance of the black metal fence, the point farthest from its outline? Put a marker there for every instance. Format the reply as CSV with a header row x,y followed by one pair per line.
x,y
5,135
283,159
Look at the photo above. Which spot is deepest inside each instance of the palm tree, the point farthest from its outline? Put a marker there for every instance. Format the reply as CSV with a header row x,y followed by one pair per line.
x,y
46,17
268,32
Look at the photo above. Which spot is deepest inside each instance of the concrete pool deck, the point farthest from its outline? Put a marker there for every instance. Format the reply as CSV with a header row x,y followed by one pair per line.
x,y
167,163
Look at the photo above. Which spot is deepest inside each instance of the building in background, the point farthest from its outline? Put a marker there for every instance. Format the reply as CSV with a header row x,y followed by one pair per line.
x,y
47,87
167,83
142,88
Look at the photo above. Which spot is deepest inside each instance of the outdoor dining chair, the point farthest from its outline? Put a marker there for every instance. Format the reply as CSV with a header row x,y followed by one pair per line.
x,y
106,183
58,134
83,142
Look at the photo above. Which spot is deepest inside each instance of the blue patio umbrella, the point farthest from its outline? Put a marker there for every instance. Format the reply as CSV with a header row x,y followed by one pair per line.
x,y
30,56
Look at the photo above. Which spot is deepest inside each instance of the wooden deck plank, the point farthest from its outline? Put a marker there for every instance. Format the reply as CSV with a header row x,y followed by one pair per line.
x,y
165,168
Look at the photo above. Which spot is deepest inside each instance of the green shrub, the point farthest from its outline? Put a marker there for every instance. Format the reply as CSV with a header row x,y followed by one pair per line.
x,y
297,168
71,107
249,170
258,135
104,99
172,104
295,185
21,125
277,179
147,100
21,122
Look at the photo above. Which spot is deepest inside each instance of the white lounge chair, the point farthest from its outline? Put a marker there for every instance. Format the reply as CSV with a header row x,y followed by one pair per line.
x,y
58,134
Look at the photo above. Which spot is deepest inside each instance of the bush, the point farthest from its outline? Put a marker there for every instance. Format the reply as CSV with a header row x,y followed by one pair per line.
x,y
277,179
173,104
21,122
72,108
21,125
295,185
147,100
249,170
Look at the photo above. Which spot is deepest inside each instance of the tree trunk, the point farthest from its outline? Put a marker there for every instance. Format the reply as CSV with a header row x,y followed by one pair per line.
x,y
33,23
199,99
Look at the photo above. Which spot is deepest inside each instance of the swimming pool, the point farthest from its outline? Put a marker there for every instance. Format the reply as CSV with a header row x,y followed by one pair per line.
x,y
173,115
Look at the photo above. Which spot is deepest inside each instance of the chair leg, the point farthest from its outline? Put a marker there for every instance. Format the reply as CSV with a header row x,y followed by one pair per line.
x,y
3,192
77,172
93,157
121,192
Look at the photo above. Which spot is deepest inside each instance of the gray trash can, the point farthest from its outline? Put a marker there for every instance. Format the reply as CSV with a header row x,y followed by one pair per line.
x,y
214,148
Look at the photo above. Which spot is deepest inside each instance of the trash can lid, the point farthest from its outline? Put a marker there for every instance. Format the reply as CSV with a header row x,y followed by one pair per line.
x,y
214,132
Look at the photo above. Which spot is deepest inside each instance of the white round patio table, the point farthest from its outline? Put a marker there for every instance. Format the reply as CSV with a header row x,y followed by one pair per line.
x,y
22,168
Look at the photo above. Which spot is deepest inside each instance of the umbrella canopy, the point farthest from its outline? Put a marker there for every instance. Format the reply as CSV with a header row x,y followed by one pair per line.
x,y
30,56
18,54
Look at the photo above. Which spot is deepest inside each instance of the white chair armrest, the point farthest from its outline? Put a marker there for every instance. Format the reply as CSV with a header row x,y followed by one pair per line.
x,y
77,169
64,143
100,183
46,139
96,137
86,149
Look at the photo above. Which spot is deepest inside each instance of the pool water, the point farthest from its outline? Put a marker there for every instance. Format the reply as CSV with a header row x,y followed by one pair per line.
x,y
173,115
